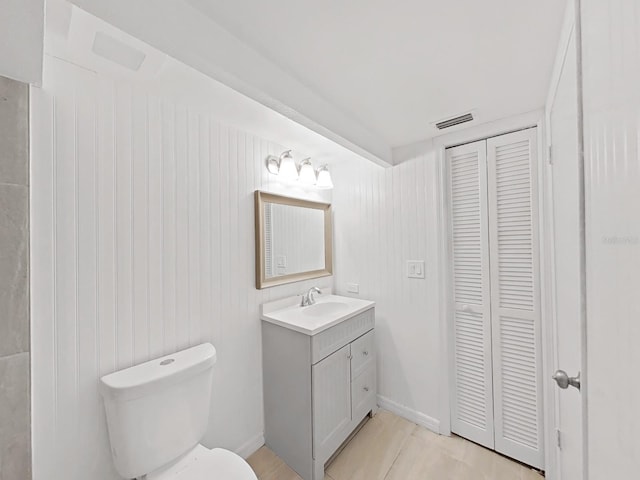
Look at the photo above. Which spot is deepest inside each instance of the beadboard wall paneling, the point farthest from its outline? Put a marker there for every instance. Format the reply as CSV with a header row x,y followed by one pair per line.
x,y
611,75
384,217
142,244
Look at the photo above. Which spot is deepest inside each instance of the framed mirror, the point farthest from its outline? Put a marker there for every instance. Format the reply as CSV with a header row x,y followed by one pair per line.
x,y
293,239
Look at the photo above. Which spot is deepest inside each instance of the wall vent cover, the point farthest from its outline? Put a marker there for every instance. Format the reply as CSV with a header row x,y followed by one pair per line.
x,y
454,121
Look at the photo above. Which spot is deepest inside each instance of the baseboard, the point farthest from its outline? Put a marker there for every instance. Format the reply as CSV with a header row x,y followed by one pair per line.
x,y
414,416
250,446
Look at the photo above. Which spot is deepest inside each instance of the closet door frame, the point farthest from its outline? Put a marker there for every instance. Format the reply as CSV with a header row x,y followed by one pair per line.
x,y
440,144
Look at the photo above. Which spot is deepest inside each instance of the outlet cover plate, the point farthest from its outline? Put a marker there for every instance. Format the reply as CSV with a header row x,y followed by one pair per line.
x,y
415,268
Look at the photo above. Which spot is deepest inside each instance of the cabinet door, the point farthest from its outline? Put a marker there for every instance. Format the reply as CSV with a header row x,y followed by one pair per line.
x,y
331,380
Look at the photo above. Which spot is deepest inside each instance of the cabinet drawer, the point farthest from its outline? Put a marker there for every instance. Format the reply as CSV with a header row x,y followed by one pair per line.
x,y
362,354
363,393
325,343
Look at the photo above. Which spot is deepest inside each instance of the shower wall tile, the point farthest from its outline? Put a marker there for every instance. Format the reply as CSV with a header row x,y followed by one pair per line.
x,y
15,402
14,132
14,259
15,440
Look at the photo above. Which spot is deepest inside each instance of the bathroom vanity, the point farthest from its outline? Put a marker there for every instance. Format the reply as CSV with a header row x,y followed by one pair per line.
x,y
319,377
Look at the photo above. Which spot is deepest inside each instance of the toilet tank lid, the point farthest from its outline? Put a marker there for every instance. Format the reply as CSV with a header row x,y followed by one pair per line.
x,y
138,380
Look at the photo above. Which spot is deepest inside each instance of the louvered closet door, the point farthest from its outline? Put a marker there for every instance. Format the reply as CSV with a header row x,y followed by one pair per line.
x,y
513,220
472,405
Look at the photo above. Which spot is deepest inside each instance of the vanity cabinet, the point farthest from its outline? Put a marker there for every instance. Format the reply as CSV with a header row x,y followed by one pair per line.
x,y
317,389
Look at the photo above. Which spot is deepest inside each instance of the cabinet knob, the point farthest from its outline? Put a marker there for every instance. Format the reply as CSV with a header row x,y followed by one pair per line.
x,y
365,353
349,357
366,389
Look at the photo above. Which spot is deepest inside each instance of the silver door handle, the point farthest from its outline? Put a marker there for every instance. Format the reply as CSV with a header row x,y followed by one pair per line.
x,y
563,380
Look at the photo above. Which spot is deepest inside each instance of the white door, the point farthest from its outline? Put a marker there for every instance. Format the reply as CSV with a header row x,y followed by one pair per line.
x,y
563,177
472,394
611,85
515,297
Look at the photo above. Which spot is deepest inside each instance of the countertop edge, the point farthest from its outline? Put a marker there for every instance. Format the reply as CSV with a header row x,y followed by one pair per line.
x,y
311,333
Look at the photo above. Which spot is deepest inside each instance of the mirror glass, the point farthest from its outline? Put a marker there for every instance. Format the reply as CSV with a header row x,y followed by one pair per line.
x,y
293,239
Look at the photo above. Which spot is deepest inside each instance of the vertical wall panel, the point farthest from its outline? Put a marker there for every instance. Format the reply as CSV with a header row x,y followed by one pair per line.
x,y
143,211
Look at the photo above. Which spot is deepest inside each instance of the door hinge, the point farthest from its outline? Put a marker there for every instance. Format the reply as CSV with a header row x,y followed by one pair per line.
x,y
549,156
558,439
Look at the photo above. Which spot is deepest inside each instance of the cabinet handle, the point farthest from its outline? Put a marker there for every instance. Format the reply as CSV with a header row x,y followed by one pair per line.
x,y
366,389
365,353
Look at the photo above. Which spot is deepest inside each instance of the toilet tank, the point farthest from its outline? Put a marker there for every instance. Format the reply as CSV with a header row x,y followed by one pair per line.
x,y
158,410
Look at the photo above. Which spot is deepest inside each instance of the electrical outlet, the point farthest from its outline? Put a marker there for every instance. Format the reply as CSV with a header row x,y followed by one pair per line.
x,y
353,288
415,268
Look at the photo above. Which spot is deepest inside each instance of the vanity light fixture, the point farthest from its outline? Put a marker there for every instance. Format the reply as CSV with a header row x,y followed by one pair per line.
x,y
323,177
306,173
285,166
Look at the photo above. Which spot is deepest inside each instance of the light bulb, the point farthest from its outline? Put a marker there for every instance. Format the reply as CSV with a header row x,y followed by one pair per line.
x,y
307,175
324,177
288,170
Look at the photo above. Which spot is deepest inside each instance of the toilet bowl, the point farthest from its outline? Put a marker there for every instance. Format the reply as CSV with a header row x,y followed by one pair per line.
x,y
157,414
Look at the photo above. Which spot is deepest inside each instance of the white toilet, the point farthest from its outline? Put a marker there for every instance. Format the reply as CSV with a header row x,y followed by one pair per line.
x,y
157,413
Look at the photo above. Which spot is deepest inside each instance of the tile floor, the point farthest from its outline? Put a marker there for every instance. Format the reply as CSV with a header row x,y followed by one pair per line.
x,y
391,448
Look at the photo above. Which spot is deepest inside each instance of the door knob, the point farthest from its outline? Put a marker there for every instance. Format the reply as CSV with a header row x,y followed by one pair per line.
x,y
563,380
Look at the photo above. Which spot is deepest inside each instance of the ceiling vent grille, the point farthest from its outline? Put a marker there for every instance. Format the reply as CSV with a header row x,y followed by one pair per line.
x,y
454,121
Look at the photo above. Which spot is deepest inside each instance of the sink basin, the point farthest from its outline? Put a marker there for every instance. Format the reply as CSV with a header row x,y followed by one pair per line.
x,y
328,311
325,308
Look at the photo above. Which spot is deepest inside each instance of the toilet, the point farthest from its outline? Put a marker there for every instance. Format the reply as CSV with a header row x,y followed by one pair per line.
x,y
157,413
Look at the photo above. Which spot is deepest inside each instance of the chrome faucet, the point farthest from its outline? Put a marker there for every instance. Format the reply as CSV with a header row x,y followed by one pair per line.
x,y
307,298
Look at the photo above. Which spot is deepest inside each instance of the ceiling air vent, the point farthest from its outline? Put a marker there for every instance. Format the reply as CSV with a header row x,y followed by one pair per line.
x,y
454,121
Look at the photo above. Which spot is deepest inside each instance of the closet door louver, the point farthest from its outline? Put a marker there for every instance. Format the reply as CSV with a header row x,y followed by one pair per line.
x,y
472,405
515,317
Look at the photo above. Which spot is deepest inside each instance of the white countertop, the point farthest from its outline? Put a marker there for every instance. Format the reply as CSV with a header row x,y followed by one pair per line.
x,y
315,318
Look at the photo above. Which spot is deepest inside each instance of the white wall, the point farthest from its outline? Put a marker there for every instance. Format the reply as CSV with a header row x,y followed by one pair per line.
x,y
142,244
611,76
384,217
21,37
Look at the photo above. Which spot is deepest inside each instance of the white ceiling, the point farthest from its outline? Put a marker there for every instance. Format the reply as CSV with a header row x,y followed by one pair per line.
x,y
367,74
398,66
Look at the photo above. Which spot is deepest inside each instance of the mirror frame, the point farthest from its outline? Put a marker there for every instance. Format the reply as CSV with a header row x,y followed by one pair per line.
x,y
264,197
